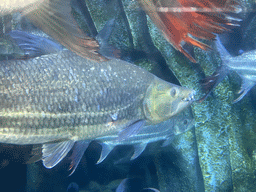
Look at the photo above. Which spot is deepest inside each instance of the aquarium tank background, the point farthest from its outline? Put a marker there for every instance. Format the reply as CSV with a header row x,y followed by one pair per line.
x,y
210,145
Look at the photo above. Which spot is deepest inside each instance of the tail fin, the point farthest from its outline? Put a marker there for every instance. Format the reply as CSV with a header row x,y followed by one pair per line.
x,y
33,45
221,49
210,82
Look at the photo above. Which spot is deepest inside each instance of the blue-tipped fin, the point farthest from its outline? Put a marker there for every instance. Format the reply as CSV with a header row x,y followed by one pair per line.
x,y
138,149
131,130
53,153
105,151
78,151
34,46
54,18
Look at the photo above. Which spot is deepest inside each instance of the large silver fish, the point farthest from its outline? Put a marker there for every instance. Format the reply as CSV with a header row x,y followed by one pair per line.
x,y
62,100
244,65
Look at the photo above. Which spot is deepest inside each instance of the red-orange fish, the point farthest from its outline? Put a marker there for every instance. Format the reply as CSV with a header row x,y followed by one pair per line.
x,y
180,20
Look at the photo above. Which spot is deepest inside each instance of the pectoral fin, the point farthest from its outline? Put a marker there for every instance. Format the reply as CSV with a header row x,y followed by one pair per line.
x,y
53,153
131,130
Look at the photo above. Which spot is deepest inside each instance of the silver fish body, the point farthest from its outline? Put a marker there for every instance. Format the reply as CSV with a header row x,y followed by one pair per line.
x,y
165,131
63,100
59,97
244,65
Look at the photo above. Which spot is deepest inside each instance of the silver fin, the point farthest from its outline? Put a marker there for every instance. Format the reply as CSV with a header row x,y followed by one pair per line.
x,y
168,141
138,149
246,86
78,152
106,149
131,130
53,153
152,189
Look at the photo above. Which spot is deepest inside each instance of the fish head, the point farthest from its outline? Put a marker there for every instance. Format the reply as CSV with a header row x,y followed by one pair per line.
x,y
164,100
184,121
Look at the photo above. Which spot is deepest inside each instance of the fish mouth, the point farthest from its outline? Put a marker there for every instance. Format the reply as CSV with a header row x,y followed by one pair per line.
x,y
190,98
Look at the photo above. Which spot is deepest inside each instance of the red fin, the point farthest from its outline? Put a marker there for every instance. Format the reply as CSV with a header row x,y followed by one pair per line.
x,y
54,18
210,82
180,19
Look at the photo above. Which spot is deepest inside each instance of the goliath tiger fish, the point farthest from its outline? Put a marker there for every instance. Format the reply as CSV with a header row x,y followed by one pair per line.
x,y
54,18
244,65
62,100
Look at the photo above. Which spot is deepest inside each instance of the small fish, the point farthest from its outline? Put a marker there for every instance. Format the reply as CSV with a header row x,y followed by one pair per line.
x,y
244,65
180,21
65,101
54,18
165,131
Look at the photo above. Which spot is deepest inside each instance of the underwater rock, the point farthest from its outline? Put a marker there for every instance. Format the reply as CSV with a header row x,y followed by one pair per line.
x,y
225,156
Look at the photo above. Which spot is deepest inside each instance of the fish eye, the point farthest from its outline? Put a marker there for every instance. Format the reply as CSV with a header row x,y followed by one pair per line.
x,y
185,122
173,92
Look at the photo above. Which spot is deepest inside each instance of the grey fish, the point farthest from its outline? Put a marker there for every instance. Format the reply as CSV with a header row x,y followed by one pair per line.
x,y
166,130
244,65
54,18
62,101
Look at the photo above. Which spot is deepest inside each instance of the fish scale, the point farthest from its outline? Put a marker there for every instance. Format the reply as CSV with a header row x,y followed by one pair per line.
x,y
64,101
37,92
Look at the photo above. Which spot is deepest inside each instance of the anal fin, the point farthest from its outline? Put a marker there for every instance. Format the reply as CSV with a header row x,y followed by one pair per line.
x,y
53,153
106,149
138,149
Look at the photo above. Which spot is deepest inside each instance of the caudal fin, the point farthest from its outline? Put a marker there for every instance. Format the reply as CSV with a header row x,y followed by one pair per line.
x,y
182,20
54,18
210,82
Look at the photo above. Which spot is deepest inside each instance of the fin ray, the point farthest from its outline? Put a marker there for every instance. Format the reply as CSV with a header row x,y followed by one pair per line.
x,y
54,18
138,149
53,153
131,129
78,152
105,151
